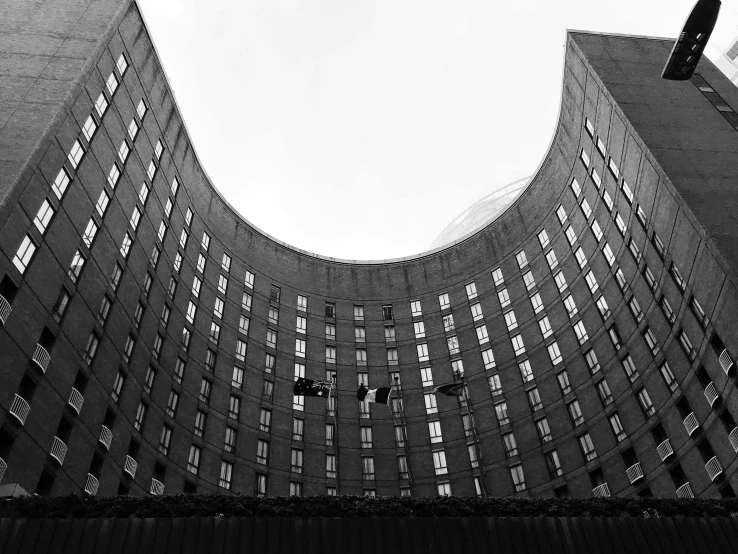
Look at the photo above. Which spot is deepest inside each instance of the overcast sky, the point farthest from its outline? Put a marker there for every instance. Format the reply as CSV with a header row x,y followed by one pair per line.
x,y
358,129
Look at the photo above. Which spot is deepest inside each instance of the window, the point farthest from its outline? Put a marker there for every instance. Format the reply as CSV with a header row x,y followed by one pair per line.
x,y
586,210
518,477
645,401
518,346
630,369
330,354
237,377
588,450
536,302
91,348
138,314
268,390
402,467
534,399
434,430
592,363
563,378
570,306
575,413
503,417
608,200
571,235
426,376
581,257
591,282
448,323
214,332
330,331
596,178
439,462
200,421
471,291
511,447
510,320
575,188
330,466
451,342
297,428
133,129
551,259
218,308
627,192
128,348
300,347
554,353
271,338
482,334
560,281
488,358
296,463
178,262
125,248
504,297
387,313
526,372
609,256
149,380
680,281
430,404
205,388
443,301
581,332
101,104
60,307
246,301
698,312
418,327
151,171
614,334
143,194
635,309
234,407
329,429
617,427
140,415
193,461
543,430
358,313
44,215
529,280
650,339
603,390
521,259
24,254
658,245
687,345
367,468
262,452
561,214
172,403
584,157
76,268
123,152
179,369
165,439
545,326
543,238
76,153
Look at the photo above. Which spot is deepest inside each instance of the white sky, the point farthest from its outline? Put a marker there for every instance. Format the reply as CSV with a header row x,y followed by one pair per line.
x,y
358,129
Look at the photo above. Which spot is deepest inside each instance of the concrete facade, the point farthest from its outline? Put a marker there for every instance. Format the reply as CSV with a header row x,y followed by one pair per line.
x,y
654,165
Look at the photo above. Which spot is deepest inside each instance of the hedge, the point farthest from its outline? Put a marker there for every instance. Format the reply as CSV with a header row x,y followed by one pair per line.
x,y
182,505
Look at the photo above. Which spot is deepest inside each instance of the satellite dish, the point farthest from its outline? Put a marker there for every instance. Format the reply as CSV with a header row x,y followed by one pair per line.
x,y
691,43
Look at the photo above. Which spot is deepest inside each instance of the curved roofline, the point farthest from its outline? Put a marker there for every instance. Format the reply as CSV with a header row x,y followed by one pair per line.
x,y
346,260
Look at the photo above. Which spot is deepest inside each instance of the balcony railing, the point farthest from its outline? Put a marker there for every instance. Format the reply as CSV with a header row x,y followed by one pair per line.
x,y
3,467
685,491
725,361
733,436
20,408
691,424
157,487
130,467
106,435
601,491
634,472
711,394
713,468
664,449
41,357
5,309
91,485
58,450
76,400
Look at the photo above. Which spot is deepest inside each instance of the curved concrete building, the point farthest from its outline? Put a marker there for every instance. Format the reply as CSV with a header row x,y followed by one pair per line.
x,y
151,336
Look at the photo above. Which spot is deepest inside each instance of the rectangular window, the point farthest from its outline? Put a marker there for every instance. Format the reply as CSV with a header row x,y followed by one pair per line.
x,y
596,179
554,353
560,281
91,348
140,416
529,280
24,254
234,407
553,464
448,323
44,215
645,402
581,332
193,462
592,363
367,468
443,301
588,450
495,386
686,344
165,439
607,252
430,404
570,306
575,188
511,447
271,338
521,259
488,358
125,247
268,390
330,354
563,378
451,342
297,428
503,417
543,430
504,297
471,291
650,339
536,302
518,477
75,269
483,335
581,257
518,346
123,152
172,403
534,399
497,277
586,210
60,183
76,153
543,238
561,214
237,377
439,462
358,313
205,388
101,104
200,422
133,129
603,390
571,235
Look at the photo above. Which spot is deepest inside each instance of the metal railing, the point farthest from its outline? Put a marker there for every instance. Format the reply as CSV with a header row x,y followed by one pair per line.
x,y
664,449
130,467
3,467
91,485
41,357
685,491
76,400
58,450
691,424
601,491
157,487
5,309
634,472
733,436
20,409
711,394
725,361
713,468
106,435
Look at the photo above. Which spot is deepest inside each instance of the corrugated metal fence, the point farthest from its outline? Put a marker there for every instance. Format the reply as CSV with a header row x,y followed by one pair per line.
x,y
298,535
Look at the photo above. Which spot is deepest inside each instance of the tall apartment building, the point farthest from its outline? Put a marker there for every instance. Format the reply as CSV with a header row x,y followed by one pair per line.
x,y
151,335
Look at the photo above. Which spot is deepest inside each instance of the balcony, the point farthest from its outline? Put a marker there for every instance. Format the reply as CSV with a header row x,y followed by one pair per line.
x,y
711,394
3,467
91,485
664,449
634,472
685,491
157,487
725,362
733,436
76,400
130,467
691,424
713,468
5,309
20,408
41,357
106,435
601,491
58,450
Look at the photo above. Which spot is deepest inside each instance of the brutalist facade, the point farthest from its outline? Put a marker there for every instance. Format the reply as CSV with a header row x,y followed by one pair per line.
x,y
150,335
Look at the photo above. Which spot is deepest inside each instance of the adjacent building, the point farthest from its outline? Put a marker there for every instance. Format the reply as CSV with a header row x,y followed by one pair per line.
x,y
150,335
